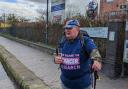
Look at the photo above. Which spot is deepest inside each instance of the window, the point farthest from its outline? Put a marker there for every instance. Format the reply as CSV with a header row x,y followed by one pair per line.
x,y
112,13
108,1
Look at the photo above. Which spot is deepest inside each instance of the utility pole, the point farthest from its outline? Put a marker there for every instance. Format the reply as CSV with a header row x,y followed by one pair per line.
x,y
46,34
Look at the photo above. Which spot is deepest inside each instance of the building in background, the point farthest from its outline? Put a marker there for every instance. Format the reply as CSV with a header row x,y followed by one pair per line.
x,y
113,9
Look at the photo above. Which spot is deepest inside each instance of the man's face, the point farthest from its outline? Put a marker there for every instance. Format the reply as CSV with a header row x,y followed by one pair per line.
x,y
71,33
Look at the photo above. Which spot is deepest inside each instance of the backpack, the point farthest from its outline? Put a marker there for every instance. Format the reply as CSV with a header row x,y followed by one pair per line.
x,y
82,41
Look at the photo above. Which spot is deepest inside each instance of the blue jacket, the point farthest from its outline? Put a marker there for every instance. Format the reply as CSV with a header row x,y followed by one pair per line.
x,y
76,67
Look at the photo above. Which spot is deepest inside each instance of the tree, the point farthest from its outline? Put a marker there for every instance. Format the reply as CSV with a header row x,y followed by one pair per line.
x,y
71,11
12,19
42,13
23,19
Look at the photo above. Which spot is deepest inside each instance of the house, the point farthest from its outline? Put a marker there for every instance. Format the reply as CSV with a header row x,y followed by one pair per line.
x,y
113,9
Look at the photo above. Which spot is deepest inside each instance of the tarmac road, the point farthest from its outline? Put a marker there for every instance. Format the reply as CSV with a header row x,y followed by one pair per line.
x,y
5,82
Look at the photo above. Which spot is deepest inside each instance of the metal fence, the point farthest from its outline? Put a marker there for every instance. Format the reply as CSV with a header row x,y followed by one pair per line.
x,y
36,32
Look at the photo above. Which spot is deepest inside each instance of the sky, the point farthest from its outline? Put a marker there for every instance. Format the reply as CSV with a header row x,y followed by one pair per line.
x,y
28,7
8,0
21,7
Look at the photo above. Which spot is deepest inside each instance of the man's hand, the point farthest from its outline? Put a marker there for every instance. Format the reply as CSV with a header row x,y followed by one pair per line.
x,y
58,59
96,65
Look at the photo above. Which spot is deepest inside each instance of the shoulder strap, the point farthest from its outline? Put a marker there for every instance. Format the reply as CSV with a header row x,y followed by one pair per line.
x,y
82,39
83,44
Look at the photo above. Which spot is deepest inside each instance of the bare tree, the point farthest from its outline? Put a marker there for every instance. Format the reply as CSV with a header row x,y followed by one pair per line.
x,y
23,19
71,11
12,18
42,13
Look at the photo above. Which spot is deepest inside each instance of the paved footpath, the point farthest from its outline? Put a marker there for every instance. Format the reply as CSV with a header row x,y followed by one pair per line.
x,y
42,65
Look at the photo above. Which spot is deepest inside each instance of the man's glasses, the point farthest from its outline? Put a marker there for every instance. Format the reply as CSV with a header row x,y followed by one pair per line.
x,y
68,28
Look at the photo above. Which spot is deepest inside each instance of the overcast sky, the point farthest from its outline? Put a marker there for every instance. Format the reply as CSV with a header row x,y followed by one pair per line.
x,y
21,7
28,7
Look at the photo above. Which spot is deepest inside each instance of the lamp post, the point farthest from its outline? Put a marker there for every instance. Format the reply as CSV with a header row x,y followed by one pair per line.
x,y
46,34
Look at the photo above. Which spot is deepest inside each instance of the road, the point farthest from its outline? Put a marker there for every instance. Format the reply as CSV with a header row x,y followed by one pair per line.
x,y
5,82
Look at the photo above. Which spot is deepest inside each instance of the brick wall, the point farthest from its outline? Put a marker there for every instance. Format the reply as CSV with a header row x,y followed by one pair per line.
x,y
113,6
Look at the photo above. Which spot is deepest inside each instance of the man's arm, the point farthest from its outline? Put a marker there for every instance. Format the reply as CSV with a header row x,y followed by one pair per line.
x,y
91,48
96,57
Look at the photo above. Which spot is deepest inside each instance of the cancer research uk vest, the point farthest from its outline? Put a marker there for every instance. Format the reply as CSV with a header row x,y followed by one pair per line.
x,y
76,67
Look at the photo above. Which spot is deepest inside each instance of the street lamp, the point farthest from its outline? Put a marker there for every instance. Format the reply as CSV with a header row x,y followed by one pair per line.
x,y
47,23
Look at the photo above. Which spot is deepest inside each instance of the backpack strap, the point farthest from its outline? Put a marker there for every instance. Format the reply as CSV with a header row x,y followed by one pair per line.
x,y
83,44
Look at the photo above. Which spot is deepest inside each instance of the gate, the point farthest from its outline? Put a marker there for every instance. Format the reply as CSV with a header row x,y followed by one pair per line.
x,y
112,66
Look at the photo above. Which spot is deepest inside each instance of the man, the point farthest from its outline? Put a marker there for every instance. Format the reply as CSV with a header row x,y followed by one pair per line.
x,y
74,61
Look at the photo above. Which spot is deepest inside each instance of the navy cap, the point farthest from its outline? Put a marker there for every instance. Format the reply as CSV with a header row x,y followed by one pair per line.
x,y
71,23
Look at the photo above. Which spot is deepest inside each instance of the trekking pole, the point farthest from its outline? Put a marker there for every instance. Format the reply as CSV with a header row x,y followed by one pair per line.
x,y
58,53
55,78
96,76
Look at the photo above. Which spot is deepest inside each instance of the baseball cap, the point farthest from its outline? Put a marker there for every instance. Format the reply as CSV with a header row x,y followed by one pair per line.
x,y
71,23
